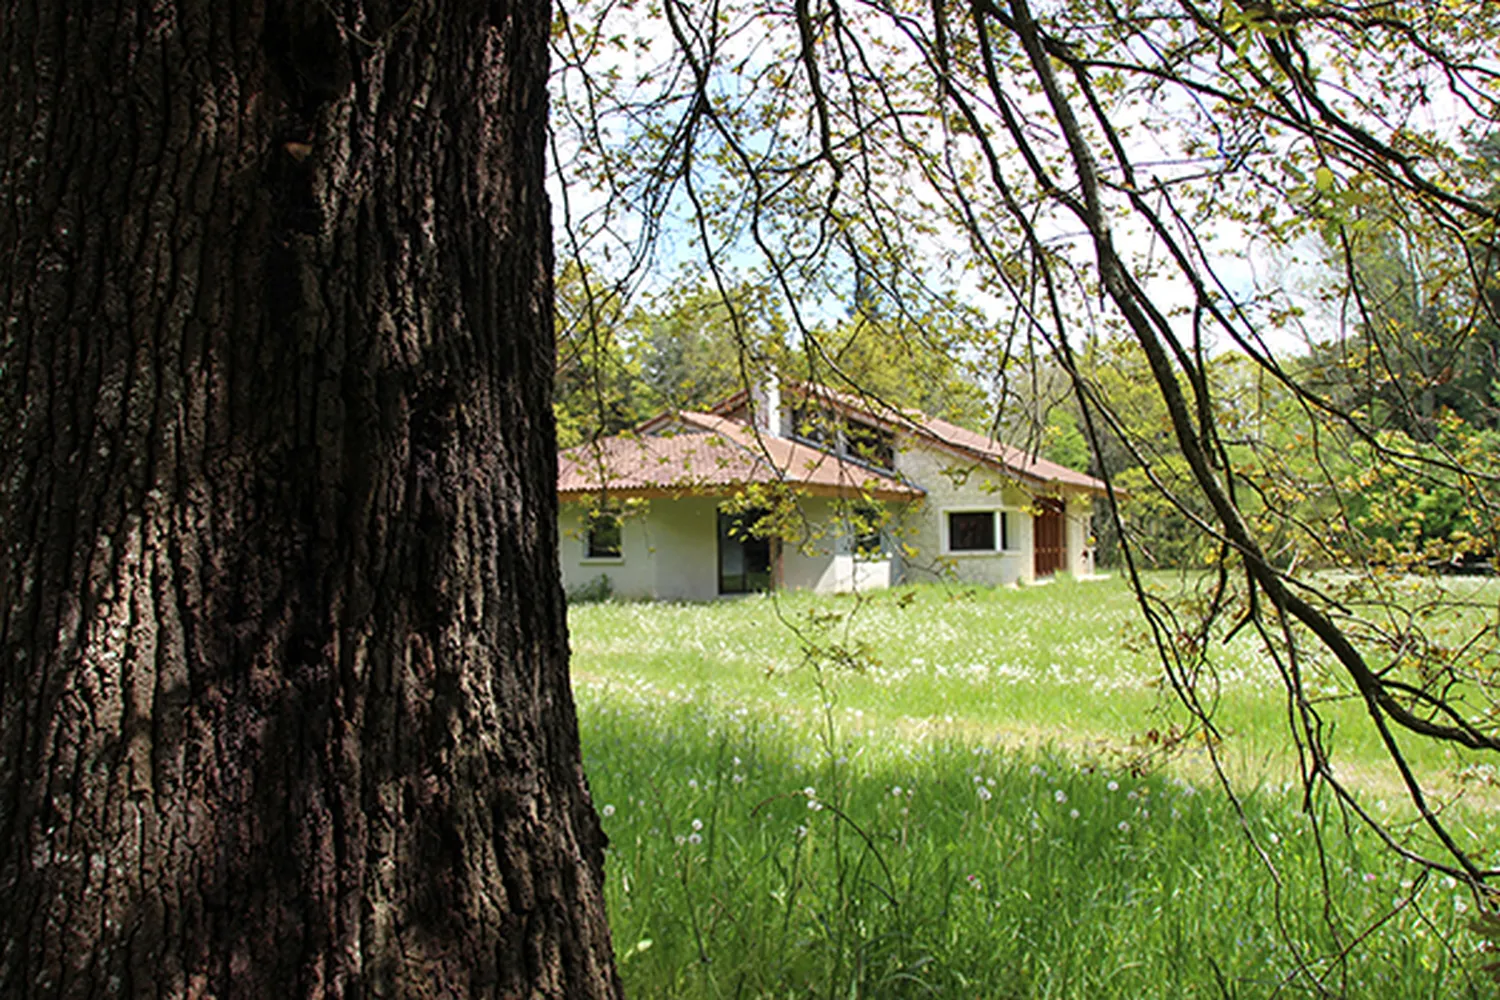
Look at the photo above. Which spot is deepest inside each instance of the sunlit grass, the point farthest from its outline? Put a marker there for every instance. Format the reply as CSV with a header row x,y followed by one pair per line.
x,y
958,810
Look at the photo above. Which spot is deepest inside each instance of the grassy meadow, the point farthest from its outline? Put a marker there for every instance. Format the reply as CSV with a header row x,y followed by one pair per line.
x,y
961,794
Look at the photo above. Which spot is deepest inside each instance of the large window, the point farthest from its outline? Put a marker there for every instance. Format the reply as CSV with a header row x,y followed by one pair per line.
x,y
979,530
745,556
603,539
865,525
871,445
812,425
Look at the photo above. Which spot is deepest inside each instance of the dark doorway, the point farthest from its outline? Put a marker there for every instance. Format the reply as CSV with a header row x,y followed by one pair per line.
x,y
1048,538
744,560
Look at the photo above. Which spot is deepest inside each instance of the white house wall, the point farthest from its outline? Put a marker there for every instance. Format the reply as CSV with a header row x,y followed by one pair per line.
x,y
1079,530
632,574
823,559
669,551
683,535
953,483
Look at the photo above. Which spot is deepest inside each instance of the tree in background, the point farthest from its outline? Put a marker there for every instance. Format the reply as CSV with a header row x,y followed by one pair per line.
x,y
920,360
696,345
284,702
599,387
1421,312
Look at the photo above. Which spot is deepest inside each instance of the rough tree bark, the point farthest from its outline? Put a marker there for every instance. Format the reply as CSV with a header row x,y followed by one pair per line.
x,y
284,708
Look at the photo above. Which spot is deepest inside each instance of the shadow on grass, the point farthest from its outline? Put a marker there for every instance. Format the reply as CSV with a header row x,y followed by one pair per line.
x,y
751,857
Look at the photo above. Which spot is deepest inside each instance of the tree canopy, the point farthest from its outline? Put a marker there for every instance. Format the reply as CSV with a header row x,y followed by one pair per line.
x,y
1256,240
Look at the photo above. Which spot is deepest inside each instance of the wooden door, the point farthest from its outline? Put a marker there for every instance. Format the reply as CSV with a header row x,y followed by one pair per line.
x,y
1049,540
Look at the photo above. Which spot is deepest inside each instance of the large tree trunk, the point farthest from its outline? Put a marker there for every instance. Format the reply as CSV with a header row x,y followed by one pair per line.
x,y
285,708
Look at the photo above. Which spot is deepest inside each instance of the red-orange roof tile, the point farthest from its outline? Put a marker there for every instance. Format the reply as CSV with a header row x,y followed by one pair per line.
x,y
711,454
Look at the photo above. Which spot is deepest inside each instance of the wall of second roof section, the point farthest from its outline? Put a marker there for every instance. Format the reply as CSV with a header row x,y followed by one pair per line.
x,y
956,484
1080,532
823,560
631,574
669,551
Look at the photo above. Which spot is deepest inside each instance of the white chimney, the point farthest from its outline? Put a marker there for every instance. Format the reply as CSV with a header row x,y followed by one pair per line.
x,y
765,405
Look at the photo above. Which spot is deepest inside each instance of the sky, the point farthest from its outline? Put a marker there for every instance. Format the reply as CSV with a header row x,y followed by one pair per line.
x,y
1175,139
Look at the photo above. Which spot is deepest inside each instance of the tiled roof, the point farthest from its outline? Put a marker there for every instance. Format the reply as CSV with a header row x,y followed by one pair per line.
x,y
712,454
982,447
1021,462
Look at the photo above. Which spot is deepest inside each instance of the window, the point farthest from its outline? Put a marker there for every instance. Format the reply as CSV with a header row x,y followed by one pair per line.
x,y
745,558
603,541
869,541
971,531
979,531
811,425
871,445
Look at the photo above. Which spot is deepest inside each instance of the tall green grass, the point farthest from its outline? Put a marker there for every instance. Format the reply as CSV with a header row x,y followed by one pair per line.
x,y
954,814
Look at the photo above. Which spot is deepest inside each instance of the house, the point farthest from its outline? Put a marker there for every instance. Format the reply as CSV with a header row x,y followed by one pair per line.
x,y
819,490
